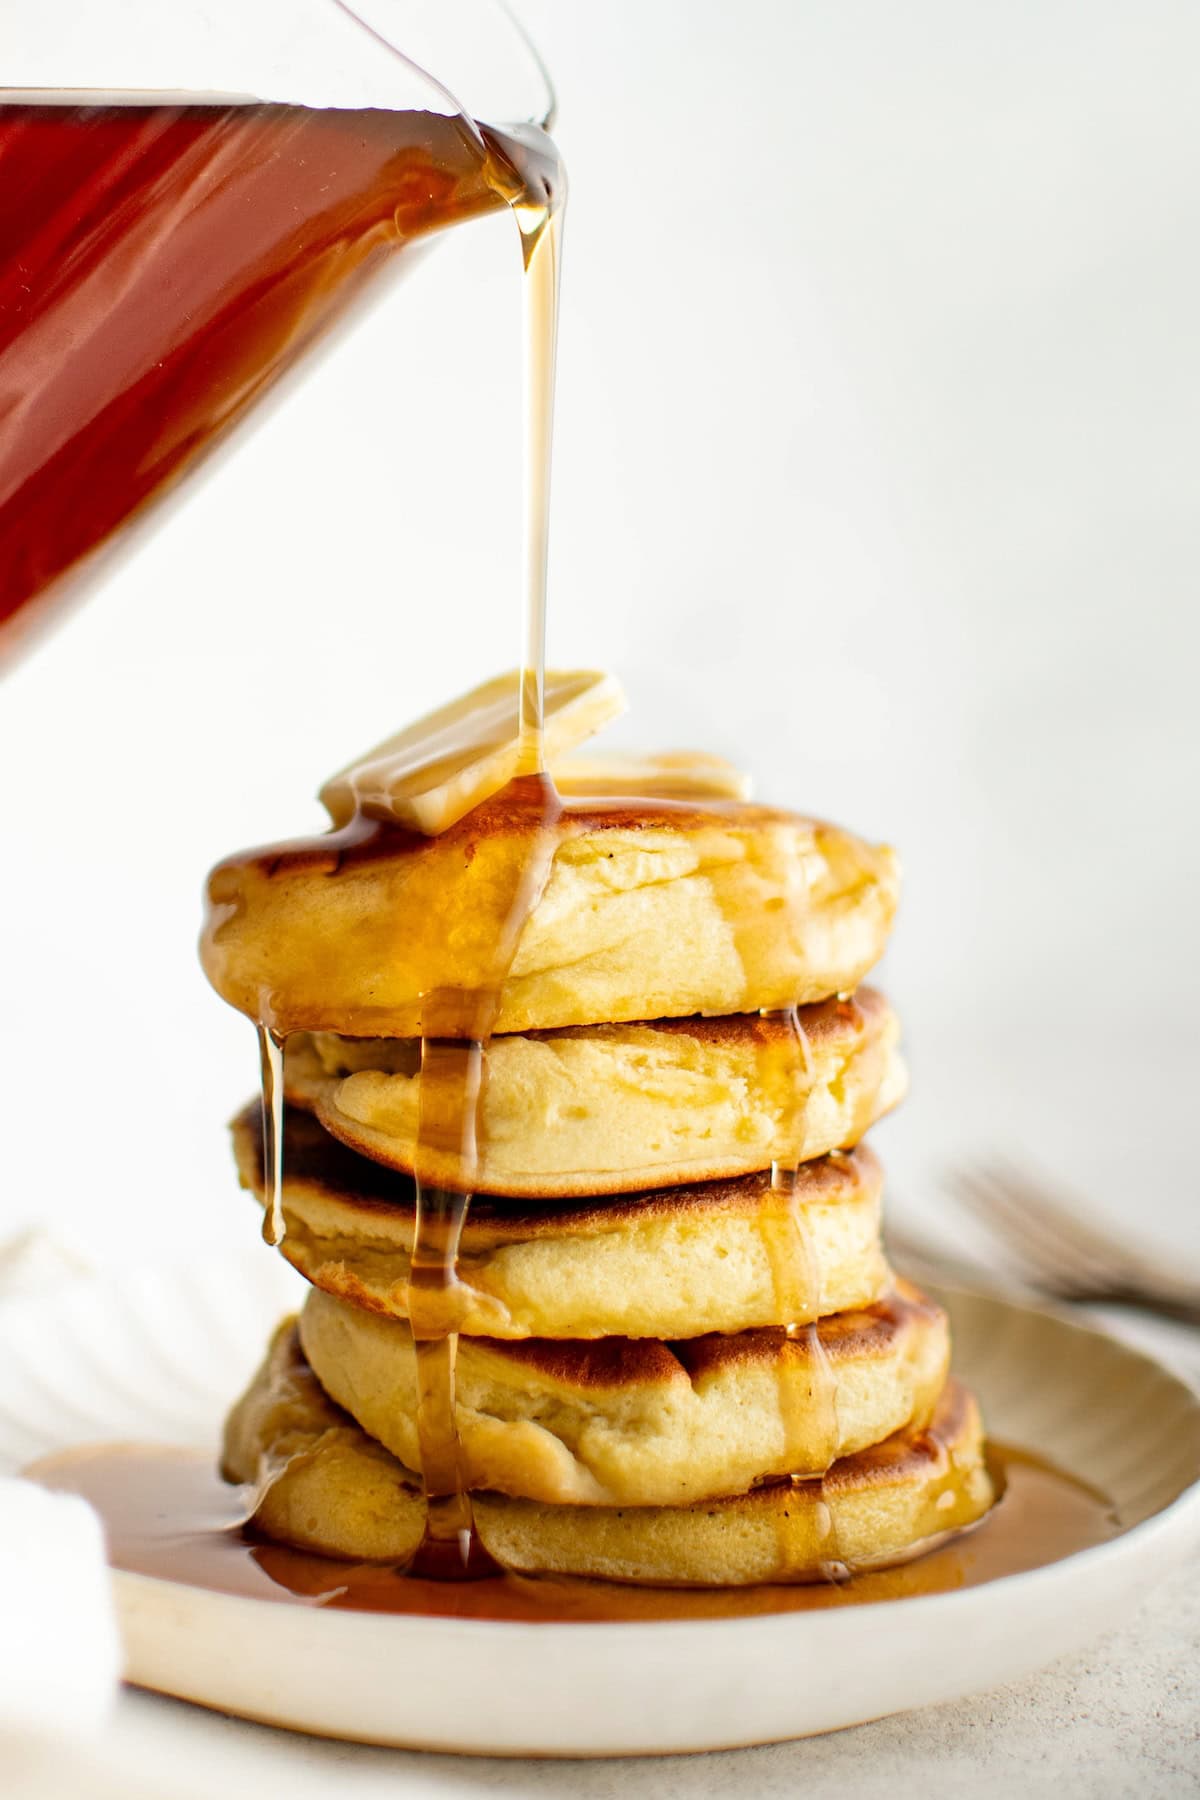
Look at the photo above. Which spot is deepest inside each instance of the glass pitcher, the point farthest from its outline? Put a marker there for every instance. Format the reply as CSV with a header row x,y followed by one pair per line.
x,y
191,196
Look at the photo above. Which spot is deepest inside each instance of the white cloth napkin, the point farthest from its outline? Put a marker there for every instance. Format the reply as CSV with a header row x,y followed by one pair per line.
x,y
60,1654
60,1658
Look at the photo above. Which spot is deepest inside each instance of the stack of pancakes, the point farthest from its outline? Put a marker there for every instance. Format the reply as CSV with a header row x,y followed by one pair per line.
x,y
682,1355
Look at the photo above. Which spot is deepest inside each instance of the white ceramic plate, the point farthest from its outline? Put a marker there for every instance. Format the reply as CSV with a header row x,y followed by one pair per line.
x,y
159,1357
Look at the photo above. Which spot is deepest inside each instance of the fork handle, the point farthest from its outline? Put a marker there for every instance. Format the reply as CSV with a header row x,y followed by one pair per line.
x,y
1164,1306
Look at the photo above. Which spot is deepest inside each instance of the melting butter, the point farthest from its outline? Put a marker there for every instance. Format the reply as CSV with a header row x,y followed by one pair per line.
x,y
432,773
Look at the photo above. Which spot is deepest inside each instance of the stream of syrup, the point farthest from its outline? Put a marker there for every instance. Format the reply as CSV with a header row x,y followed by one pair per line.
x,y
527,174
457,1023
168,1514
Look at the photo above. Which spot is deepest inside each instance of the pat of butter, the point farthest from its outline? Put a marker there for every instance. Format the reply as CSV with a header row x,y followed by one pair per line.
x,y
661,775
432,773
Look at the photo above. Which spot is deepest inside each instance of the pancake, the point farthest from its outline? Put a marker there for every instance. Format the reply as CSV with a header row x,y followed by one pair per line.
x,y
719,1256
324,1485
609,1109
652,909
638,1422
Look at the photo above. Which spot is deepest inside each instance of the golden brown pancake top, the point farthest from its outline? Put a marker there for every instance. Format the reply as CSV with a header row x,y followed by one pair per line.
x,y
366,840
650,909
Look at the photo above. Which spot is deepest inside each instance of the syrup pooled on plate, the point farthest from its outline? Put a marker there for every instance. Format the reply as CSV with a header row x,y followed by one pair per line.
x,y
168,1514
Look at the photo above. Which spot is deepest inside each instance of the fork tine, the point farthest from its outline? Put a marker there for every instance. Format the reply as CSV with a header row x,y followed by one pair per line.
x,y
1122,1265
1017,1221
1022,1231
1062,1254
1119,1261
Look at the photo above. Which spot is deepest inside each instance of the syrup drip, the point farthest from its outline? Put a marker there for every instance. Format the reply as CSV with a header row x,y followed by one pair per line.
x,y
450,1081
458,1025
453,1070
168,1514
271,1057
538,208
521,169
796,1276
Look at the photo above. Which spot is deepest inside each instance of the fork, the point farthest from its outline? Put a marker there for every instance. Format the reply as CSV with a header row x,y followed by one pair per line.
x,y
1056,1252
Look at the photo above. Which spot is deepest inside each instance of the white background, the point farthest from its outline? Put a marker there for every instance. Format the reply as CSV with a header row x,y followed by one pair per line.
x,y
876,471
